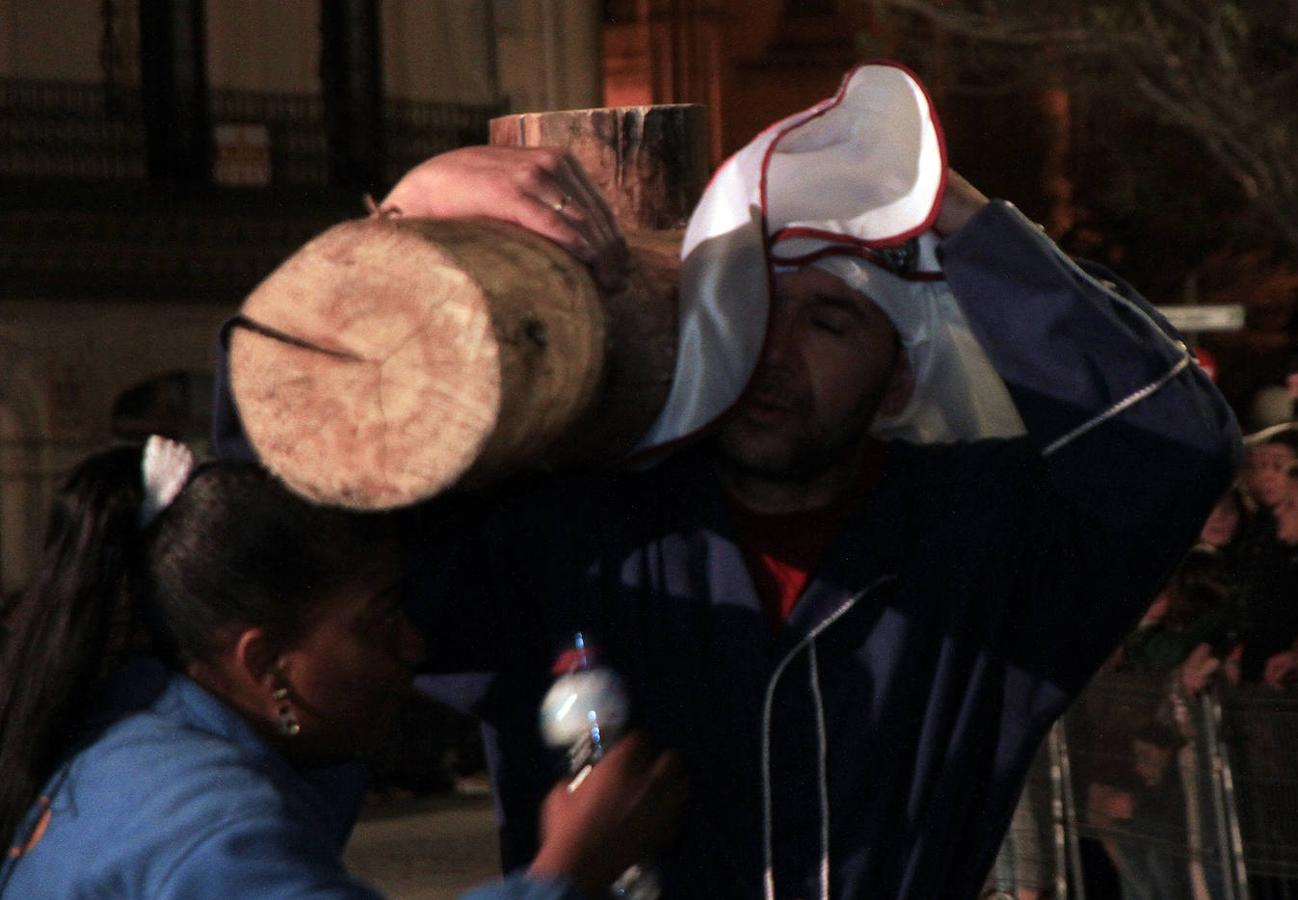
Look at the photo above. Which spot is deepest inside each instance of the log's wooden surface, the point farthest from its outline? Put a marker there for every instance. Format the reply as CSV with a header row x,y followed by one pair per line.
x,y
650,162
432,348
651,165
395,358
640,356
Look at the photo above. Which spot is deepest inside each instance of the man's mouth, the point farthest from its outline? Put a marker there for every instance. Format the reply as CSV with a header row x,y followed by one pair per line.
x,y
764,407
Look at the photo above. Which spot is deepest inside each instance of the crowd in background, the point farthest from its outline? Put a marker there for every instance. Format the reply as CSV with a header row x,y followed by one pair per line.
x,y
1227,619
1231,609
1228,616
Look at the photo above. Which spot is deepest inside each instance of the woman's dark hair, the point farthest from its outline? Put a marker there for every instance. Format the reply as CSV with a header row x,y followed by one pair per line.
x,y
235,549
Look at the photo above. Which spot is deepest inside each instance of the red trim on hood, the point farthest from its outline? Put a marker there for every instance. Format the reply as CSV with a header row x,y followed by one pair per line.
x,y
820,110
859,252
802,231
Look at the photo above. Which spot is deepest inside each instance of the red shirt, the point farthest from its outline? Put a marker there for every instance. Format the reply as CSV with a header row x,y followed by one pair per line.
x,y
782,550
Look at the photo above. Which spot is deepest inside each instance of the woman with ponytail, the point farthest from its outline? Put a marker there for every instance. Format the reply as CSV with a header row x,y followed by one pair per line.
x,y
191,677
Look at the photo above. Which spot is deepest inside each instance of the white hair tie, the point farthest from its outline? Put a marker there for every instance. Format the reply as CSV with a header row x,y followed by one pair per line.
x,y
165,469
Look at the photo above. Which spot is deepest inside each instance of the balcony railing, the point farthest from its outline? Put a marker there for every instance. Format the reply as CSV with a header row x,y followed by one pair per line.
x,y
54,129
65,130
79,216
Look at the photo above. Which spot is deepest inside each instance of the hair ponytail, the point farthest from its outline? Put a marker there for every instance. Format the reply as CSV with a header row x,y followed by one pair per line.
x,y
60,627
234,549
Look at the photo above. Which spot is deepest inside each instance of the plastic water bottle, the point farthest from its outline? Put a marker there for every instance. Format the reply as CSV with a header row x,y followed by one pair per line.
x,y
585,712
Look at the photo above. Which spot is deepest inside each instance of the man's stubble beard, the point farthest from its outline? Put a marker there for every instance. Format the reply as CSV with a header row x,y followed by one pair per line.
x,y
807,456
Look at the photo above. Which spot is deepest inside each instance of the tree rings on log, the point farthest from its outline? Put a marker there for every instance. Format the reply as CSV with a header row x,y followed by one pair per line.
x,y
389,359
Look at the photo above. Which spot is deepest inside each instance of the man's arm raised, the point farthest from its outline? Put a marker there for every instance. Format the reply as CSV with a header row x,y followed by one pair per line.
x,y
1133,440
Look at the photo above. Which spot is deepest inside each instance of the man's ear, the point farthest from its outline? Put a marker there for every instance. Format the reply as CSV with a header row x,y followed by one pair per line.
x,y
900,386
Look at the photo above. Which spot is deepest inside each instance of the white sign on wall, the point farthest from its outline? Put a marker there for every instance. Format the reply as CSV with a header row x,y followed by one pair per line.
x,y
242,155
1210,317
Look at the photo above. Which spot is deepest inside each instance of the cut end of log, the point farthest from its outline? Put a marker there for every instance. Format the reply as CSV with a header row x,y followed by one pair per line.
x,y
388,384
389,360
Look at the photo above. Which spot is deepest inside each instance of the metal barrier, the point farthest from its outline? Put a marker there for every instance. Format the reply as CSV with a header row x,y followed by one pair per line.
x,y
1178,798
1039,849
1260,730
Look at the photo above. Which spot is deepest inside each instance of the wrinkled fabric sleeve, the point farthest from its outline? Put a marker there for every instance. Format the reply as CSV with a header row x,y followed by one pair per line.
x,y
256,859
1084,357
257,856
1135,443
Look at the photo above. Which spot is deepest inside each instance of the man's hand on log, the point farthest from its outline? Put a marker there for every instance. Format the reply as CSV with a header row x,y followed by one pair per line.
x,y
543,190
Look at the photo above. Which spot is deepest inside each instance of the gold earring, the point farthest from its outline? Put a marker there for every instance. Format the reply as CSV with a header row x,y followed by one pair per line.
x,y
289,726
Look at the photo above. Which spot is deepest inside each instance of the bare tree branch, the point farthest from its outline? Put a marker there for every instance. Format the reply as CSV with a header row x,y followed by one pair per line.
x,y
1222,72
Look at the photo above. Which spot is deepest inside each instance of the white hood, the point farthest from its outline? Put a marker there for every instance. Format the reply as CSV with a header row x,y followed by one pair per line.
x,y
851,185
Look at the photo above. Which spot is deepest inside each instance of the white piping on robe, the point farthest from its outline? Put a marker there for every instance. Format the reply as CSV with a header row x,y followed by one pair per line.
x,y
768,874
1126,402
822,781
1136,396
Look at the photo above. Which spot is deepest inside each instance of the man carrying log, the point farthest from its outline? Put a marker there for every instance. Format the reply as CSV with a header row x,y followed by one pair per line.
x,y
959,467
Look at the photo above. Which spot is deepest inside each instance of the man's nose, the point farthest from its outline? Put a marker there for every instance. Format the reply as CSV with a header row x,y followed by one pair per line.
x,y
779,336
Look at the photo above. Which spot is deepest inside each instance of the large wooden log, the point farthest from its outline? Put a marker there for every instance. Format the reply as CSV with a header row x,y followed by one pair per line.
x,y
392,358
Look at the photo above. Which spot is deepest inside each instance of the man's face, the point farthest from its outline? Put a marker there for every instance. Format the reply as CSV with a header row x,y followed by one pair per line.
x,y
1265,474
827,367
1286,514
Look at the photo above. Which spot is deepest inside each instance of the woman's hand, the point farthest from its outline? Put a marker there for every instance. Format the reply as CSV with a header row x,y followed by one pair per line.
x,y
616,816
541,189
